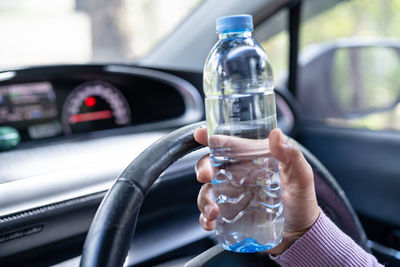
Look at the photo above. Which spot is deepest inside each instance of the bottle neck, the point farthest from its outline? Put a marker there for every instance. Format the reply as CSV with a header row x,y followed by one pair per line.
x,y
243,34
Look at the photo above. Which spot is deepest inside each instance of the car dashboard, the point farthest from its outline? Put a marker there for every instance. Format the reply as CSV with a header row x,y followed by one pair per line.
x,y
44,103
80,126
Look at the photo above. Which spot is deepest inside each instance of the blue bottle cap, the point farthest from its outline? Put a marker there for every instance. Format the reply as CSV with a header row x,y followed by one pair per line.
x,y
235,23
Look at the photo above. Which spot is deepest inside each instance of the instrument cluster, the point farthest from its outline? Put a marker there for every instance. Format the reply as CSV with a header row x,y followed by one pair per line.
x,y
60,101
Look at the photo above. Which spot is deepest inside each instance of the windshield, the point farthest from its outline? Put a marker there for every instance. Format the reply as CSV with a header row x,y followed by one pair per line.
x,y
41,32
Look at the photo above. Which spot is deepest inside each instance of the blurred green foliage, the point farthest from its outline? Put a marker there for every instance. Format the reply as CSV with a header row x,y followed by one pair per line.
x,y
379,69
356,18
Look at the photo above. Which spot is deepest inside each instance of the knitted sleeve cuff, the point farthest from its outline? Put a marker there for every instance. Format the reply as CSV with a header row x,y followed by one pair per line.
x,y
324,244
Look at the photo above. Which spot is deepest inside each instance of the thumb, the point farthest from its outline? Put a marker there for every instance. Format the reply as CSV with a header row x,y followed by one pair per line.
x,y
295,166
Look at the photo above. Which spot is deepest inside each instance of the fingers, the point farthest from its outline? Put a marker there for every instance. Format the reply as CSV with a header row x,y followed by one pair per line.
x,y
200,135
205,203
232,143
207,225
240,147
281,148
295,166
209,210
203,170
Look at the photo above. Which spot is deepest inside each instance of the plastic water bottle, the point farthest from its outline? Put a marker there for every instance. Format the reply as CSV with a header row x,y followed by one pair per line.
x,y
240,109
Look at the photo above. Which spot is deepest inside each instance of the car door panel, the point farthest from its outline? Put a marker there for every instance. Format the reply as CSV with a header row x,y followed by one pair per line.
x,y
365,163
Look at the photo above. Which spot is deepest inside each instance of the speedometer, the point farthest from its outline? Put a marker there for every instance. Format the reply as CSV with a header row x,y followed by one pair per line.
x,y
95,105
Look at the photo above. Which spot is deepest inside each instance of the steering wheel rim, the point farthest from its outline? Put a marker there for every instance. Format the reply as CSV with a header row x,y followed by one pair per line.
x,y
108,240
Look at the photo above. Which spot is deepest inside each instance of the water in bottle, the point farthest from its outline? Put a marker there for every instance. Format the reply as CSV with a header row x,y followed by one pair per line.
x,y
241,111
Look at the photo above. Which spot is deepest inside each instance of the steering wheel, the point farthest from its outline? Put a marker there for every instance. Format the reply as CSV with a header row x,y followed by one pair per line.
x,y
109,236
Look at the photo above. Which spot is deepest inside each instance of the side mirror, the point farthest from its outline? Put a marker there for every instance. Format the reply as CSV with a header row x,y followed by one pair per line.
x,y
350,78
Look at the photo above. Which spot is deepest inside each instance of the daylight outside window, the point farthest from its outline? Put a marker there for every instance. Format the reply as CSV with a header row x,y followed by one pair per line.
x,y
39,32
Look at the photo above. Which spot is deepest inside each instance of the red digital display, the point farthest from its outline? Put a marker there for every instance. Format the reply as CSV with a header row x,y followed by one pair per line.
x,y
91,116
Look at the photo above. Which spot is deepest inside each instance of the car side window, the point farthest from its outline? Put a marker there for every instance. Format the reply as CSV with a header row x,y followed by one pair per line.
x,y
349,66
274,38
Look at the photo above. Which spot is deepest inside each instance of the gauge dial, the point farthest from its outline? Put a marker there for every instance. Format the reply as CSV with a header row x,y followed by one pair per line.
x,y
95,105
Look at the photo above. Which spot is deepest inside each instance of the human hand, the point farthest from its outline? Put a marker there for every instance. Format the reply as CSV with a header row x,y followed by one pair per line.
x,y
297,183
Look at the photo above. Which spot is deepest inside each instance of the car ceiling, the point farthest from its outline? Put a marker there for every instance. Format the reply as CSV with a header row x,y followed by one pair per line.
x,y
197,33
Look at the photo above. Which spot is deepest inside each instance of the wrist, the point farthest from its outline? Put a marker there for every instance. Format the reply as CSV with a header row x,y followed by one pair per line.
x,y
284,245
290,237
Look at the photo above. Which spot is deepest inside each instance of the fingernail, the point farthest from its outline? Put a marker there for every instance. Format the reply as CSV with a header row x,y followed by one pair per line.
x,y
197,170
207,210
217,141
284,140
204,220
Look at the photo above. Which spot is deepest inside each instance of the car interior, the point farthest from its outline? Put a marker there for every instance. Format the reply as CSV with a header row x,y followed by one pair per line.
x,y
70,130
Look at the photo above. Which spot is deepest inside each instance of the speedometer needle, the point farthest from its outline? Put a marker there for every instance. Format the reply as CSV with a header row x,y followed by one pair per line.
x,y
90,116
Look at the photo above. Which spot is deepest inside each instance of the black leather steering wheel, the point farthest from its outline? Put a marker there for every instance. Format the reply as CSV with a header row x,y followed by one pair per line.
x,y
108,240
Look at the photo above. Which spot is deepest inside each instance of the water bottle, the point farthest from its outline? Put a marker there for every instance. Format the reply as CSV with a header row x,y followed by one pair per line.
x,y
240,110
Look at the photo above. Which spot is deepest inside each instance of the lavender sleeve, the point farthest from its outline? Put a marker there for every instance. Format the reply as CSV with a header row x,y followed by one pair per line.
x,y
324,244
